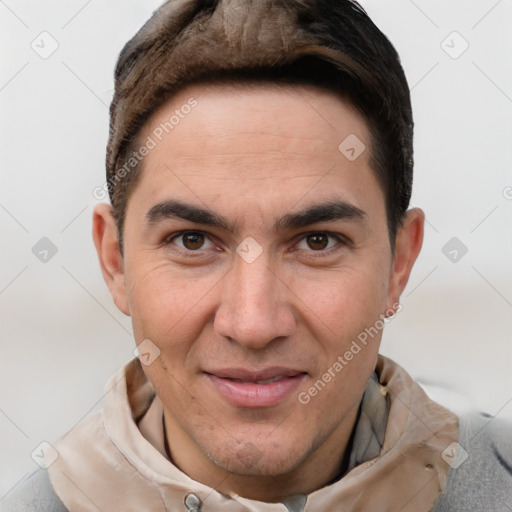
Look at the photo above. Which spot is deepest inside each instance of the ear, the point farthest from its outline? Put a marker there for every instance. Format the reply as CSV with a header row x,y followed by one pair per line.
x,y
409,240
104,233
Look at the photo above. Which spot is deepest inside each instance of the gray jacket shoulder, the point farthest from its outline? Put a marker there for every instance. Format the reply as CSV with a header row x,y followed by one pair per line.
x,y
35,494
480,477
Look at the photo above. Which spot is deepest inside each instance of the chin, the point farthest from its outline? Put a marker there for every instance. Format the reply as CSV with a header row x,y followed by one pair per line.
x,y
258,459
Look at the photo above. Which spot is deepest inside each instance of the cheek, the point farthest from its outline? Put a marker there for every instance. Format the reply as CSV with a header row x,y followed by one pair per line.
x,y
346,324
345,300
167,305
343,313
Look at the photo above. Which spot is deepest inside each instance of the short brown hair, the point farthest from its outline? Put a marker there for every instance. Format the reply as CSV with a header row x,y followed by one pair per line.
x,y
329,43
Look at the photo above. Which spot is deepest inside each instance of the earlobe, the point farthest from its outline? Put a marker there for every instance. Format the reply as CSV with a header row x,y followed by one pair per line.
x,y
408,244
104,234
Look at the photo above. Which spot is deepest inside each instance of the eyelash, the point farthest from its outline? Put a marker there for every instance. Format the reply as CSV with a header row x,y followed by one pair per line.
x,y
198,253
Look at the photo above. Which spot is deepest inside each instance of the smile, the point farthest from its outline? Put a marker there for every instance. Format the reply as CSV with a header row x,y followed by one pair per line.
x,y
247,389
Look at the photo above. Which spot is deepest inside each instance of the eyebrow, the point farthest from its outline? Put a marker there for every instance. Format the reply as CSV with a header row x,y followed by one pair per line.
x,y
332,210
328,211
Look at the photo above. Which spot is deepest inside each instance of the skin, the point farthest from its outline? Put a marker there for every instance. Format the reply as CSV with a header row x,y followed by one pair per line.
x,y
254,154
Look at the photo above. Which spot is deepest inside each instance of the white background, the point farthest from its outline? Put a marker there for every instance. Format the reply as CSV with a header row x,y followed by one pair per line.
x,y
61,335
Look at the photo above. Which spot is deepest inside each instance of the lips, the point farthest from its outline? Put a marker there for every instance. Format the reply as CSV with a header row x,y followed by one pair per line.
x,y
255,388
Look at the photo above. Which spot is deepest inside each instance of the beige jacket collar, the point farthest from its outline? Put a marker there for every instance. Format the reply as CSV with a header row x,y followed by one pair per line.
x,y
106,464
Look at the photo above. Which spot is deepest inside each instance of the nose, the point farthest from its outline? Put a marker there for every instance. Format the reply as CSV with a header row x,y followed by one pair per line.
x,y
255,306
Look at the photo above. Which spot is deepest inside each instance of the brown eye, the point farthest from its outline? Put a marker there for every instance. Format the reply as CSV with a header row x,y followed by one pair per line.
x,y
317,241
321,242
192,240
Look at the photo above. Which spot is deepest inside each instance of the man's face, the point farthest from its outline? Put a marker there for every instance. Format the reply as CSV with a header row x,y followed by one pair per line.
x,y
250,313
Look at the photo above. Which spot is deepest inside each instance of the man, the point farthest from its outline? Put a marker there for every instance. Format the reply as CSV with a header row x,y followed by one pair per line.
x,y
259,167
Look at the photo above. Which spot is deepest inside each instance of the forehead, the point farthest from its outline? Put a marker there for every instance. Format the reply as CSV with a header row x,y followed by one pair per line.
x,y
253,139
232,113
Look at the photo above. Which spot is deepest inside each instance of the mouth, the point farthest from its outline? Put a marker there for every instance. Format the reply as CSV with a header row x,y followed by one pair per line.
x,y
260,388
